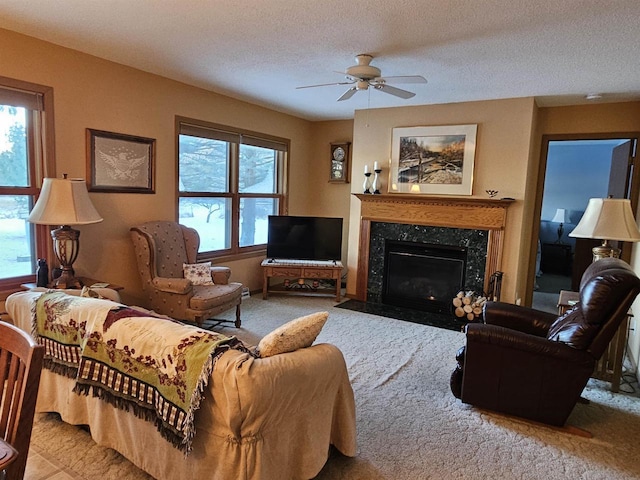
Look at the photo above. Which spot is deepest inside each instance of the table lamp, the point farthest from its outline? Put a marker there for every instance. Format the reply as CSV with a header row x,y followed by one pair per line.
x,y
64,202
607,219
560,217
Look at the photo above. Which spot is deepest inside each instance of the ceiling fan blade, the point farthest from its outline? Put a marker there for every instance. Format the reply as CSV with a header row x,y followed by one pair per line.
x,y
398,92
402,79
348,94
324,85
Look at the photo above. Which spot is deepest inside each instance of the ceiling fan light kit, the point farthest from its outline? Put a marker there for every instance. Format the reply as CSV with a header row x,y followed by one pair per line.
x,y
363,75
363,70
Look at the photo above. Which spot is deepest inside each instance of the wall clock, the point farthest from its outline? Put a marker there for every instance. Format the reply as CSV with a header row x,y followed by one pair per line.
x,y
339,170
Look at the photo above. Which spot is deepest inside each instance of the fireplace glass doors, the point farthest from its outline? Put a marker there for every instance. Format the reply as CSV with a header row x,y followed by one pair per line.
x,y
422,276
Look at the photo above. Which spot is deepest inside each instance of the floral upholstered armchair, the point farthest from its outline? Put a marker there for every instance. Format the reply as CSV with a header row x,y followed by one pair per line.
x,y
163,249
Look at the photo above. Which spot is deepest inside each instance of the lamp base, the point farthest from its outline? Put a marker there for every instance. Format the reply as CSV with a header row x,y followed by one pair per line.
x,y
66,280
605,251
66,245
560,233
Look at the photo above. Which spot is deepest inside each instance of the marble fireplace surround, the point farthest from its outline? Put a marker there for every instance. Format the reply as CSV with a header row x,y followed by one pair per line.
x,y
435,211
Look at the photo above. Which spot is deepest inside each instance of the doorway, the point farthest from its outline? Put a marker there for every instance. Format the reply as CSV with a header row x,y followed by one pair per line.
x,y
577,169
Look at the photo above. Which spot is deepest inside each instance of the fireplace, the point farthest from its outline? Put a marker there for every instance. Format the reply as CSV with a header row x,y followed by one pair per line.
x,y
461,265
477,224
422,276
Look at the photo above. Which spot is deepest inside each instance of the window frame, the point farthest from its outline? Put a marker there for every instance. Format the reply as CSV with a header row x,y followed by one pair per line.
x,y
234,137
41,163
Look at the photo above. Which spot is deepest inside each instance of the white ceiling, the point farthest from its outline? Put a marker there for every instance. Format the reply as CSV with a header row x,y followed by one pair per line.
x,y
261,50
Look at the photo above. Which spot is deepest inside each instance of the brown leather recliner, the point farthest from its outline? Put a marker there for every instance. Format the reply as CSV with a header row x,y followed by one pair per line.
x,y
162,248
535,365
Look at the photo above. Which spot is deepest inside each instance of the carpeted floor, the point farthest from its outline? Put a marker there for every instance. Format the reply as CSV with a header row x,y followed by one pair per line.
x,y
553,283
548,286
409,424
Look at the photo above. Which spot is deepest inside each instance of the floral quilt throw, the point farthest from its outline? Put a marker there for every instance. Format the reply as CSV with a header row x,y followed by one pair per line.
x,y
155,367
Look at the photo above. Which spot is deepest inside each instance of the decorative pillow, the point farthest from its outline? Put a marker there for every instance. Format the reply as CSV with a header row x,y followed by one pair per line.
x,y
89,292
198,273
298,333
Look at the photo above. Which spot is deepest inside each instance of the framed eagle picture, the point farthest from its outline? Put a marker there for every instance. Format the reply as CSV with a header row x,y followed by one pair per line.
x,y
120,163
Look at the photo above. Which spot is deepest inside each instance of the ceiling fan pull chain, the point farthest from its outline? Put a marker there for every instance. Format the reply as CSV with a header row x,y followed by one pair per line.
x,y
366,123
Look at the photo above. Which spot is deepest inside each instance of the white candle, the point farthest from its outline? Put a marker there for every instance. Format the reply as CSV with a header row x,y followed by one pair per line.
x,y
375,165
366,169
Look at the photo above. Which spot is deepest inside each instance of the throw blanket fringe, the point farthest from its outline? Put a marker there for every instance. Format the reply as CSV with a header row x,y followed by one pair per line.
x,y
68,371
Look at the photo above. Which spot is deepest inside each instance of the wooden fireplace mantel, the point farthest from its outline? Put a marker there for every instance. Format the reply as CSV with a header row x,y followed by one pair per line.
x,y
437,211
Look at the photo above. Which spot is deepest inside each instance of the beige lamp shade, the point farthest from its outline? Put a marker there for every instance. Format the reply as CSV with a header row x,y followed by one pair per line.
x,y
608,219
561,216
64,202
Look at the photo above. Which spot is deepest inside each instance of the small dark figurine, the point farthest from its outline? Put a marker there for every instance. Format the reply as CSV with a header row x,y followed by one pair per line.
x,y
42,273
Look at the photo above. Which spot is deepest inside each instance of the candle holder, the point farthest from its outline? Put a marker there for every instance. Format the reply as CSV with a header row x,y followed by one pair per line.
x,y
366,186
376,181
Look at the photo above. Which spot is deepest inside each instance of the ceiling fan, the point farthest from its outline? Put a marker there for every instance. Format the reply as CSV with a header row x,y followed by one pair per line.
x,y
363,75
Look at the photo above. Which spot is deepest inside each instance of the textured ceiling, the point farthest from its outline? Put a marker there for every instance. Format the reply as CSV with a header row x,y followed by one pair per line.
x,y
261,50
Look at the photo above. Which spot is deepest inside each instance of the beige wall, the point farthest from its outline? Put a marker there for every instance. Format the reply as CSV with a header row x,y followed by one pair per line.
x,y
596,118
501,163
94,93
329,199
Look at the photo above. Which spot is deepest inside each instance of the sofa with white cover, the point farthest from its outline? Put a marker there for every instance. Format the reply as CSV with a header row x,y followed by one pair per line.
x,y
260,418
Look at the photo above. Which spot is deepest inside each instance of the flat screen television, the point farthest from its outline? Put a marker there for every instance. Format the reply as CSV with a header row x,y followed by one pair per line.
x,y
304,238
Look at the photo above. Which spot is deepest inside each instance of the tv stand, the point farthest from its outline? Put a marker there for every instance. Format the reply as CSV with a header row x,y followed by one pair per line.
x,y
301,271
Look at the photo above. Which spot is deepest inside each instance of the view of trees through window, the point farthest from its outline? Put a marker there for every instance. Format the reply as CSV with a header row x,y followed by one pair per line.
x,y
218,177
16,233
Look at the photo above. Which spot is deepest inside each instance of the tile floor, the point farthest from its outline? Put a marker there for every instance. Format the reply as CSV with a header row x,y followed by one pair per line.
x,y
42,467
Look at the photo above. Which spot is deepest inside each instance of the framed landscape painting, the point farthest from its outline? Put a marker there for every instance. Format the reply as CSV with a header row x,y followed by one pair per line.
x,y
433,160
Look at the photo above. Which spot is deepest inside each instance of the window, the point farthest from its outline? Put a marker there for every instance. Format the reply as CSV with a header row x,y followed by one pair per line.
x,y
24,157
229,182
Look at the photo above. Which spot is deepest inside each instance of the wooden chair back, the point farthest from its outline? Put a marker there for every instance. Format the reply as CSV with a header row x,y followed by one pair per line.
x,y
20,366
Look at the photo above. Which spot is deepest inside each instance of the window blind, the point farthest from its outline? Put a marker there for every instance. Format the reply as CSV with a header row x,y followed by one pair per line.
x,y
21,98
232,137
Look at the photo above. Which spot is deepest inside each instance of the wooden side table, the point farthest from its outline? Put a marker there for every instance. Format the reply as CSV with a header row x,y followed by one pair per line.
x,y
609,367
567,300
85,281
